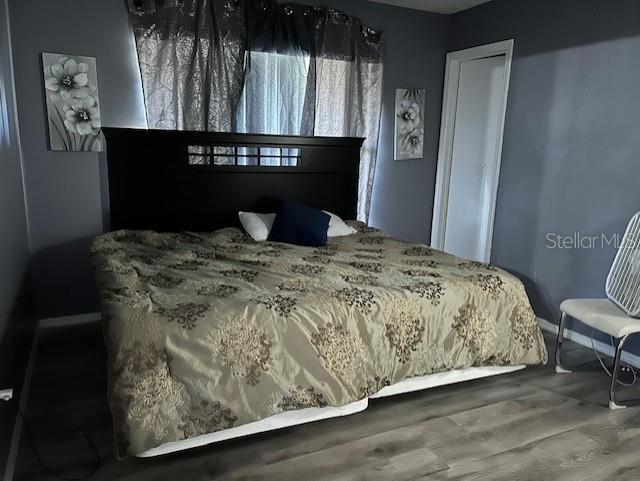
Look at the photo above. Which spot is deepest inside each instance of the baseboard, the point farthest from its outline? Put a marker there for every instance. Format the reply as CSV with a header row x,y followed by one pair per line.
x,y
69,321
583,340
42,324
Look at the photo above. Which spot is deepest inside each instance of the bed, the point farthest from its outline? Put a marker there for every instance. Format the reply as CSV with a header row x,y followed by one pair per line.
x,y
212,336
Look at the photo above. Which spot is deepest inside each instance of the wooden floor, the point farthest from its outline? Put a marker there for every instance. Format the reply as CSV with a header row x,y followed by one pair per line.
x,y
531,425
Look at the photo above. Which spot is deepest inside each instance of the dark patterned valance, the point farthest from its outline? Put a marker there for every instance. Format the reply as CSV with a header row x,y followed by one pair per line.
x,y
263,25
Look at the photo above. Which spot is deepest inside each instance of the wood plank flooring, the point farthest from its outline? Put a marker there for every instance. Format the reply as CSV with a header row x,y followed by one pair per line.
x,y
529,425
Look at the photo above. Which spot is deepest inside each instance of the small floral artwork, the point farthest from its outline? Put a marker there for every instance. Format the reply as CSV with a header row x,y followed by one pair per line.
x,y
73,110
409,138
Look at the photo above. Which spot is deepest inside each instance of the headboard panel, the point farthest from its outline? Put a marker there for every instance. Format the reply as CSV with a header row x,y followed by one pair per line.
x,y
173,181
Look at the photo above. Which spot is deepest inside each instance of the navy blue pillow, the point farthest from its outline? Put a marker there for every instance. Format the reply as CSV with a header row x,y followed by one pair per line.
x,y
300,225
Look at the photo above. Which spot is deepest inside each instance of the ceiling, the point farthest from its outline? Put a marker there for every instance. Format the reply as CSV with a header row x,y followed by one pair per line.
x,y
438,6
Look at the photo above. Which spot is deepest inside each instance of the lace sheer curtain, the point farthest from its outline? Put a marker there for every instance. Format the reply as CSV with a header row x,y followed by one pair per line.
x,y
273,97
274,91
259,66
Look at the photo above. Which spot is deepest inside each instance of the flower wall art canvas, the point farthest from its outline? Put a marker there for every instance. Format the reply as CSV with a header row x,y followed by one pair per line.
x,y
409,135
73,109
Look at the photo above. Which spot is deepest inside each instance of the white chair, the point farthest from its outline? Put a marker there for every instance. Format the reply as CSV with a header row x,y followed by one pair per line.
x,y
615,316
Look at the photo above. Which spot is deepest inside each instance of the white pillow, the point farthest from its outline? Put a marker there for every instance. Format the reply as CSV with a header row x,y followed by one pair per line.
x,y
257,226
337,227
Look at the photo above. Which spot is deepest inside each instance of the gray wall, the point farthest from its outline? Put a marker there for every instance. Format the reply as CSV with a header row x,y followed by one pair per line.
x,y
16,328
571,157
14,245
64,189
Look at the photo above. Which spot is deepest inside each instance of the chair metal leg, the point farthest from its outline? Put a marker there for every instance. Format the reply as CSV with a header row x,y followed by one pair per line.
x,y
614,376
560,369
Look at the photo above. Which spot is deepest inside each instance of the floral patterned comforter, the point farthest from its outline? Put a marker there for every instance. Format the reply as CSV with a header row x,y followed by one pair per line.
x,y
205,332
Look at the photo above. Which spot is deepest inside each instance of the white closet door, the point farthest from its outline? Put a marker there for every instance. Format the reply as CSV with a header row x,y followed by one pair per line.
x,y
475,163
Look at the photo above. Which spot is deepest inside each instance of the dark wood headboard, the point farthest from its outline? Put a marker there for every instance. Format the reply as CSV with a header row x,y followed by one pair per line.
x,y
177,180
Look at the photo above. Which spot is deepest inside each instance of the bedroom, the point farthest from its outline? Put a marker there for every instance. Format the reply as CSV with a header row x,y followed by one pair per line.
x,y
567,171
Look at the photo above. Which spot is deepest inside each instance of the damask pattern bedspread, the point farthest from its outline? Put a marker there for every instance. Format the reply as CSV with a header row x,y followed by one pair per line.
x,y
206,332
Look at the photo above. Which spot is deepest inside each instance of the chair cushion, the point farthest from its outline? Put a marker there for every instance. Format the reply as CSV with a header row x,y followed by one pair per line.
x,y
601,314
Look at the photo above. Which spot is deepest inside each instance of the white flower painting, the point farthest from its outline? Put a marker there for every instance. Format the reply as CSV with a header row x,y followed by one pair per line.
x,y
73,108
409,135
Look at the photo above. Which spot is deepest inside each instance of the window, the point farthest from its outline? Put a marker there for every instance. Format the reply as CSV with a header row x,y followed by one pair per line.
x,y
243,155
272,102
273,98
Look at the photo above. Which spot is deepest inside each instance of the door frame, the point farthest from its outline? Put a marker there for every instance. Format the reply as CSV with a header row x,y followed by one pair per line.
x,y
447,128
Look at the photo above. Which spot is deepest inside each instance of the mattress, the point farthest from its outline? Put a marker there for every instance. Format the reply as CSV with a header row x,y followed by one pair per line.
x,y
211,332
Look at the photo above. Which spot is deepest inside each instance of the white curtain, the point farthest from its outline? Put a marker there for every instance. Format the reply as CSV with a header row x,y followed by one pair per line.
x,y
273,100
273,97
348,103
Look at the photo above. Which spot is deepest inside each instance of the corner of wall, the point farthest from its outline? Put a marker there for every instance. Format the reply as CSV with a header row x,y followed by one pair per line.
x,y
17,324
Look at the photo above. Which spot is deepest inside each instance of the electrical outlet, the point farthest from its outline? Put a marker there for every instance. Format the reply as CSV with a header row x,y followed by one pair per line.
x,y
6,394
